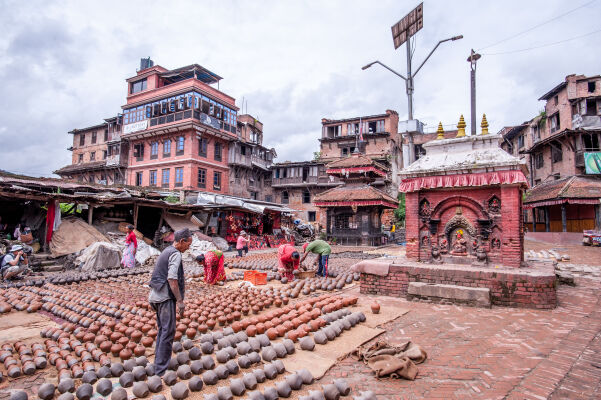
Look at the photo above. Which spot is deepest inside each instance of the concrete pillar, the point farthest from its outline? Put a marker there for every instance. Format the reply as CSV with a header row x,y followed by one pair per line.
x,y
547,222
564,219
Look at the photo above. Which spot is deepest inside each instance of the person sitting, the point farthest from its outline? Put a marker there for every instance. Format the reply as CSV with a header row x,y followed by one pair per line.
x,y
212,261
323,250
242,243
288,260
14,263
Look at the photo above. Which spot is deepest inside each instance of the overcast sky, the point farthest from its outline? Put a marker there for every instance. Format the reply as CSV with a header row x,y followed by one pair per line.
x,y
63,64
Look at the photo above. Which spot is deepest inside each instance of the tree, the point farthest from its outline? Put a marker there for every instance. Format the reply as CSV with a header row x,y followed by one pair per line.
x,y
399,212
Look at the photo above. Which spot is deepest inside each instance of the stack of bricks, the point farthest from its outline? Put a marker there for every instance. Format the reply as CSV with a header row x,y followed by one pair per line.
x,y
522,289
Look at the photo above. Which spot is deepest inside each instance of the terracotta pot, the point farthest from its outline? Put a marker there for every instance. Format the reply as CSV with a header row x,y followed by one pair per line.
x,y
375,307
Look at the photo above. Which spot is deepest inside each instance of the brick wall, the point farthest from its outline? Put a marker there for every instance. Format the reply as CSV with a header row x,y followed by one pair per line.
x,y
506,288
295,202
88,146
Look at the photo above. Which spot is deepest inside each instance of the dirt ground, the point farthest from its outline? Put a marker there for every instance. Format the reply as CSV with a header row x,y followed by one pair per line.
x,y
579,254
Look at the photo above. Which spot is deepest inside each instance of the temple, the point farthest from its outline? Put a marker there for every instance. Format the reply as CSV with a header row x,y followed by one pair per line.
x,y
354,210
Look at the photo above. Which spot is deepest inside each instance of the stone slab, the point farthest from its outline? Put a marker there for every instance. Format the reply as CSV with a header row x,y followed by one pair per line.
x,y
455,293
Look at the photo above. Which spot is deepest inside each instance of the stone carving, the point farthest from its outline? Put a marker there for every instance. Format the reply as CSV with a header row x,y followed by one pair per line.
x,y
459,221
481,255
459,247
424,209
494,205
443,244
495,243
436,257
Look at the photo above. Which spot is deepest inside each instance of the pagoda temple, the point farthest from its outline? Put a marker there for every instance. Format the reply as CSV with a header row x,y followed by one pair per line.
x,y
354,210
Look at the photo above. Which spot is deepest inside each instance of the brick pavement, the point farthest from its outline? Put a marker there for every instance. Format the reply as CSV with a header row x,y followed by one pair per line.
x,y
498,353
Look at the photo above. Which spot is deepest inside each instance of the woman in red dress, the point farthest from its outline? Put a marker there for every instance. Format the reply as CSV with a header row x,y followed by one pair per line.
x,y
213,264
288,260
131,246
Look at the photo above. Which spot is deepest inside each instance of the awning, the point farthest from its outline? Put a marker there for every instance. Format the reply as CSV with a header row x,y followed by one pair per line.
x,y
545,203
463,180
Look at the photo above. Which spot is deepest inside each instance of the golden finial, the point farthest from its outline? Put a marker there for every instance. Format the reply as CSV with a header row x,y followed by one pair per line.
x,y
440,131
484,125
461,127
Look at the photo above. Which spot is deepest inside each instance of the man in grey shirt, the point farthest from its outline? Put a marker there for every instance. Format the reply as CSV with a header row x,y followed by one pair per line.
x,y
14,263
167,291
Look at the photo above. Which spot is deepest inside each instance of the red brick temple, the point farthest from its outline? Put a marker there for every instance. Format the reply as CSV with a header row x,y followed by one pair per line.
x,y
465,235
464,202
354,210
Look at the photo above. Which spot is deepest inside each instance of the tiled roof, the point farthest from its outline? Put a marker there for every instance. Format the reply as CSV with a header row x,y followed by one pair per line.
x,y
83,167
573,187
356,160
354,193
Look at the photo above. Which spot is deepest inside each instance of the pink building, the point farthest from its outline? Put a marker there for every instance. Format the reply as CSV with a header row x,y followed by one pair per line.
x,y
179,128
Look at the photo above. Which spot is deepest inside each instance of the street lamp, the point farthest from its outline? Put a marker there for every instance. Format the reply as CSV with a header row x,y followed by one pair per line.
x,y
472,60
409,82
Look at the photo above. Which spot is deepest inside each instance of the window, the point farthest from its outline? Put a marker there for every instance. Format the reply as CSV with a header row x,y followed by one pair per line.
x,y
106,135
139,151
306,197
104,154
591,106
556,100
167,148
93,156
311,216
254,196
243,150
179,150
82,139
153,178
202,147
217,151
419,151
138,179
154,150
165,178
285,197
93,137
591,87
555,122
344,152
590,142
202,178
520,141
179,177
217,180
537,182
80,159
539,161
342,221
540,214
268,198
380,126
556,152
138,86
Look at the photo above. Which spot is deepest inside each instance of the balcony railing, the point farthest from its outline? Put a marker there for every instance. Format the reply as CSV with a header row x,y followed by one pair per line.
x,y
113,160
194,114
235,158
259,162
310,180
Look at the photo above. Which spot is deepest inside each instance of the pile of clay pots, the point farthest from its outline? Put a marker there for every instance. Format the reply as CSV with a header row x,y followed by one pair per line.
x,y
19,300
22,359
260,262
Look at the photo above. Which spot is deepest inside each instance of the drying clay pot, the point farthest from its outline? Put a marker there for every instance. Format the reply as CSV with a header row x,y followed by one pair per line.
x,y
306,376
142,361
243,348
158,397
244,362
173,364
179,391
206,347
66,396
209,377
89,377
254,357
222,356
316,395
375,307
307,343
264,340
150,369
194,353
283,389
117,369
46,391
270,371
139,373
182,358
233,367
155,384
342,387
140,389
196,367
250,381
279,366
280,350
259,375
331,392
268,354
20,395
184,372
237,386
294,381
270,393
222,371
255,344
212,396
320,338
126,379
84,391
170,378
66,385
208,362
195,384
224,393
256,395
119,394
289,345
104,372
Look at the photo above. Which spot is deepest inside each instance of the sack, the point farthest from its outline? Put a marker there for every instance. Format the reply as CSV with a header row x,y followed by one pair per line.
x,y
26,238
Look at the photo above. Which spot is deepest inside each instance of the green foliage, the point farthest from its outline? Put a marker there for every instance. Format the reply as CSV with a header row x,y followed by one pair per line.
x,y
172,199
399,212
316,155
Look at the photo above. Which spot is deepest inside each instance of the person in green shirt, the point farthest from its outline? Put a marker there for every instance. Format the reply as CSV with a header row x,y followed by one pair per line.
x,y
323,250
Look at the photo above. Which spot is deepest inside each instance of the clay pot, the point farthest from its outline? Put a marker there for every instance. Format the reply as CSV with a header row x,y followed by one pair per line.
x,y
342,387
331,392
375,307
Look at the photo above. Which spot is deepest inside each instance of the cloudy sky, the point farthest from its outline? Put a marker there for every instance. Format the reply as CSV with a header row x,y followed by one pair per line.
x,y
63,63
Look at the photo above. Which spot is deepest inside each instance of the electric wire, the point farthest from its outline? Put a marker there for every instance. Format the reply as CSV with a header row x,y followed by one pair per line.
x,y
543,45
537,26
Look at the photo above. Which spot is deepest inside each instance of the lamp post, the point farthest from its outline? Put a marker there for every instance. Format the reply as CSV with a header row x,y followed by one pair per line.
x,y
409,82
472,60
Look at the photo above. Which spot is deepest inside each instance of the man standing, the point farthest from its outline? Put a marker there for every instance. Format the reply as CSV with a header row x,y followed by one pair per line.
x,y
14,262
323,251
167,291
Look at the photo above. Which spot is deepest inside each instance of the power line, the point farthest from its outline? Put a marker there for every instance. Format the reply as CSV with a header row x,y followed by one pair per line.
x,y
543,45
537,26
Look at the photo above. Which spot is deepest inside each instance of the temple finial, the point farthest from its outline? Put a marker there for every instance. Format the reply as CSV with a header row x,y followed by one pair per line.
x,y
440,131
484,125
461,127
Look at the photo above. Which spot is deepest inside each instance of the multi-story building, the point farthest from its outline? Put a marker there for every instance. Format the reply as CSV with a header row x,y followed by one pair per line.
x,y
97,154
249,161
178,127
554,144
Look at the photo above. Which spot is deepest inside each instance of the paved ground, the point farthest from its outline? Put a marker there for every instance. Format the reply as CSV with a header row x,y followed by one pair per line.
x,y
498,353
578,253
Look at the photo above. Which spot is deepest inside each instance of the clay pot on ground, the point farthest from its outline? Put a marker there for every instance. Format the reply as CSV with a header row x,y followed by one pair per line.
x,y
375,307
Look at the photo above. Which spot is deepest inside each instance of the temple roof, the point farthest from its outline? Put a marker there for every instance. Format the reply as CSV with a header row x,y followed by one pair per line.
x,y
572,187
354,161
357,194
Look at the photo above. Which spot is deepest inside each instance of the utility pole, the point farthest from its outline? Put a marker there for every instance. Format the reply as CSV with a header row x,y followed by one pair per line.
x,y
409,82
472,60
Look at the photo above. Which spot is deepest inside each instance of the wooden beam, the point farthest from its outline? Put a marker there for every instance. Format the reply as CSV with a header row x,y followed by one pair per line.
x,y
90,213
136,215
